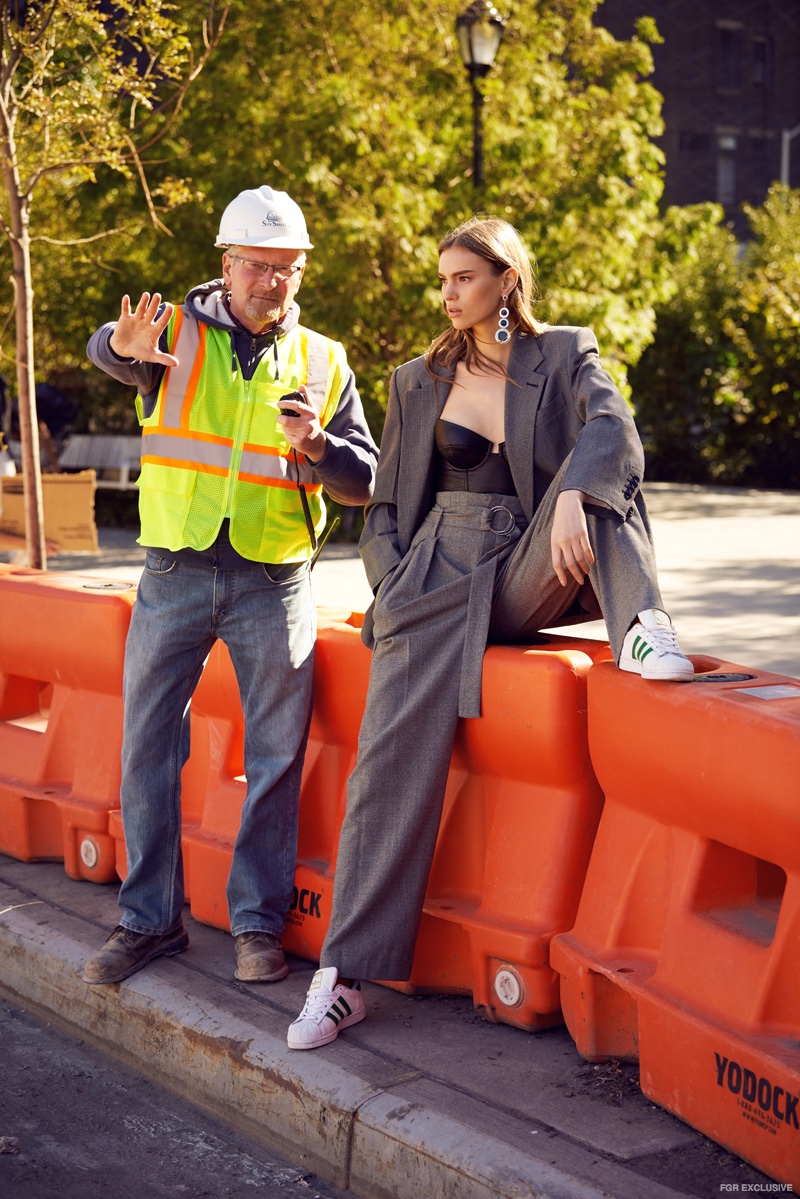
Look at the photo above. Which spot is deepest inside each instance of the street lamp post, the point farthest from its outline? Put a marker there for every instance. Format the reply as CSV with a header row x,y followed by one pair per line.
x,y
480,31
786,140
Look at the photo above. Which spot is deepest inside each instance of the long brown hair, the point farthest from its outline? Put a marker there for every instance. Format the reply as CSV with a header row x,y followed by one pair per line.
x,y
499,244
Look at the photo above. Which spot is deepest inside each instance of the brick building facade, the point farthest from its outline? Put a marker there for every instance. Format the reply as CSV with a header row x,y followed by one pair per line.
x,y
729,72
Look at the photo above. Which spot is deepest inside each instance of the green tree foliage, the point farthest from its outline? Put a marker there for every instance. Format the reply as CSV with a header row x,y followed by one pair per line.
x,y
82,85
674,383
717,393
371,122
365,118
760,389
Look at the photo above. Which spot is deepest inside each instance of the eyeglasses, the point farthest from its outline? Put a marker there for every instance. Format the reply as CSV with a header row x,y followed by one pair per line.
x,y
284,273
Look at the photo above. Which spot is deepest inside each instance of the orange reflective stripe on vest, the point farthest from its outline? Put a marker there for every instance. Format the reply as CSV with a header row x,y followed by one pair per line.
x,y
179,384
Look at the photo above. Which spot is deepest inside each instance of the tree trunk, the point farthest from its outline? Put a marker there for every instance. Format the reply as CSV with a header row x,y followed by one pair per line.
x,y
26,387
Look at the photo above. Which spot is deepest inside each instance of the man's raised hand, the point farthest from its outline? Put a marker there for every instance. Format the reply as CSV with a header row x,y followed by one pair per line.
x,y
137,332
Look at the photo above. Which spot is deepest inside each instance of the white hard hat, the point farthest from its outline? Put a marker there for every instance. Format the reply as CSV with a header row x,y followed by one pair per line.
x,y
263,217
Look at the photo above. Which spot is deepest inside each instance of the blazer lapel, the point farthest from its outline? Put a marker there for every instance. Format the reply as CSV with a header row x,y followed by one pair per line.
x,y
523,397
422,408
442,389
424,405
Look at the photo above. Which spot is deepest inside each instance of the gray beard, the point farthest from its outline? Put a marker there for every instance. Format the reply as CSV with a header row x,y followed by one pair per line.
x,y
266,312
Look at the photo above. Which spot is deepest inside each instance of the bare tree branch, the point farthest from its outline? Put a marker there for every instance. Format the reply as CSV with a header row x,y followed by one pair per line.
x,y
36,79
7,31
329,50
46,17
80,241
56,168
211,41
154,217
106,266
9,317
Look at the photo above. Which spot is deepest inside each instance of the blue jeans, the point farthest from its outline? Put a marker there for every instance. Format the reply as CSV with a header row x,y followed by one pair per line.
x,y
266,617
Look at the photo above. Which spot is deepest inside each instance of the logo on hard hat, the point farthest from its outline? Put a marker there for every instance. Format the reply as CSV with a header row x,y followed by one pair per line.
x,y
273,218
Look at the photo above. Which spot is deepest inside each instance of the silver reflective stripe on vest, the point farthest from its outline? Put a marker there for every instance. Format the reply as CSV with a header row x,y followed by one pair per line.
x,y
318,368
176,380
272,466
186,449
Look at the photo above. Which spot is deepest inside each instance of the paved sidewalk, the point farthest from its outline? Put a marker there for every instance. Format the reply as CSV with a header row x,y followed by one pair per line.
x,y
424,1100
729,567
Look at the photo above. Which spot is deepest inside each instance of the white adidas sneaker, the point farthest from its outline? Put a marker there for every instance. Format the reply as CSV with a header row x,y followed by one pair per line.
x,y
651,649
329,1008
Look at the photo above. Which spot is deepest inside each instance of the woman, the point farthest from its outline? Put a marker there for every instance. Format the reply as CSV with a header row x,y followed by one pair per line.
x,y
507,500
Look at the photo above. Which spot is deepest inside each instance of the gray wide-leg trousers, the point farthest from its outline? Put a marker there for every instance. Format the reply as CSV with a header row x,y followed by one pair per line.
x,y
474,573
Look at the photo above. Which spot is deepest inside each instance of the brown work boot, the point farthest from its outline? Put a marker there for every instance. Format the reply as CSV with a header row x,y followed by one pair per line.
x,y
259,958
125,952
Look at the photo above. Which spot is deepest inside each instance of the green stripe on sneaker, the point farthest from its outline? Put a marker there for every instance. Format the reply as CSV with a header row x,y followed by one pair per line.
x,y
640,648
337,1009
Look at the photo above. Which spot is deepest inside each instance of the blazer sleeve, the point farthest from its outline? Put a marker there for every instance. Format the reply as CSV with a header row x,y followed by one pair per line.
x,y
379,545
607,460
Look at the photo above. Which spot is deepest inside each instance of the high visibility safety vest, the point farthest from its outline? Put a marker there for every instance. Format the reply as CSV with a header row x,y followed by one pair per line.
x,y
212,445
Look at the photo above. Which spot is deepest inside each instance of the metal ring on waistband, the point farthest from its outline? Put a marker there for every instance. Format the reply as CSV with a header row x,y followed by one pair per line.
x,y
512,519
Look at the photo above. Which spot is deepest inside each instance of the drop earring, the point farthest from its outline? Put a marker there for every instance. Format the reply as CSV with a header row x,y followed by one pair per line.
x,y
503,333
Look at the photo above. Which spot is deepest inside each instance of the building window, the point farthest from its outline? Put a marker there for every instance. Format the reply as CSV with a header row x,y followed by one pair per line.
x,y
762,166
690,142
726,171
759,152
762,63
729,57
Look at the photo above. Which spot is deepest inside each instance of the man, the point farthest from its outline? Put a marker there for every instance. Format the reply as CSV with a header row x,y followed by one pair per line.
x,y
231,508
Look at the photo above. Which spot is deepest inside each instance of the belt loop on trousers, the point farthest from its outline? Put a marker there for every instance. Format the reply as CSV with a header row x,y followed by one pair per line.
x,y
438,515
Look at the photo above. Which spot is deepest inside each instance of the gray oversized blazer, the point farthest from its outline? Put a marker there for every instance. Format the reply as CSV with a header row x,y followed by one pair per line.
x,y
561,402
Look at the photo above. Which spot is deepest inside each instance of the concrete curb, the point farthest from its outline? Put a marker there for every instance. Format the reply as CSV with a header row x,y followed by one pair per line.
x,y
197,1036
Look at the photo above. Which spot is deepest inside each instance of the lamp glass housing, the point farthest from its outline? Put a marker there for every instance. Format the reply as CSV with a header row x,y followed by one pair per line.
x,y
480,31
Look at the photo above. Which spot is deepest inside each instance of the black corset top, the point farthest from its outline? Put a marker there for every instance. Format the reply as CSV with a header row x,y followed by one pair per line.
x,y
466,461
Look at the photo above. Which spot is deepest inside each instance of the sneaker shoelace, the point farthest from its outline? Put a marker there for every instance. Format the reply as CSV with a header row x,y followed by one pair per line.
x,y
665,639
316,1006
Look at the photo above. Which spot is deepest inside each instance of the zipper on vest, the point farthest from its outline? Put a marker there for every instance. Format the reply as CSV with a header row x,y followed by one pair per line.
x,y
238,444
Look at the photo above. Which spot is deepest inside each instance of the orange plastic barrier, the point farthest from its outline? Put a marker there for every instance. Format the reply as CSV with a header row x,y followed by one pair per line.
x,y
686,948
520,813
62,644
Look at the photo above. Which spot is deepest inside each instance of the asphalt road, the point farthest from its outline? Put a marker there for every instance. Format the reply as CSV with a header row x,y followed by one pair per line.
x,y
77,1124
